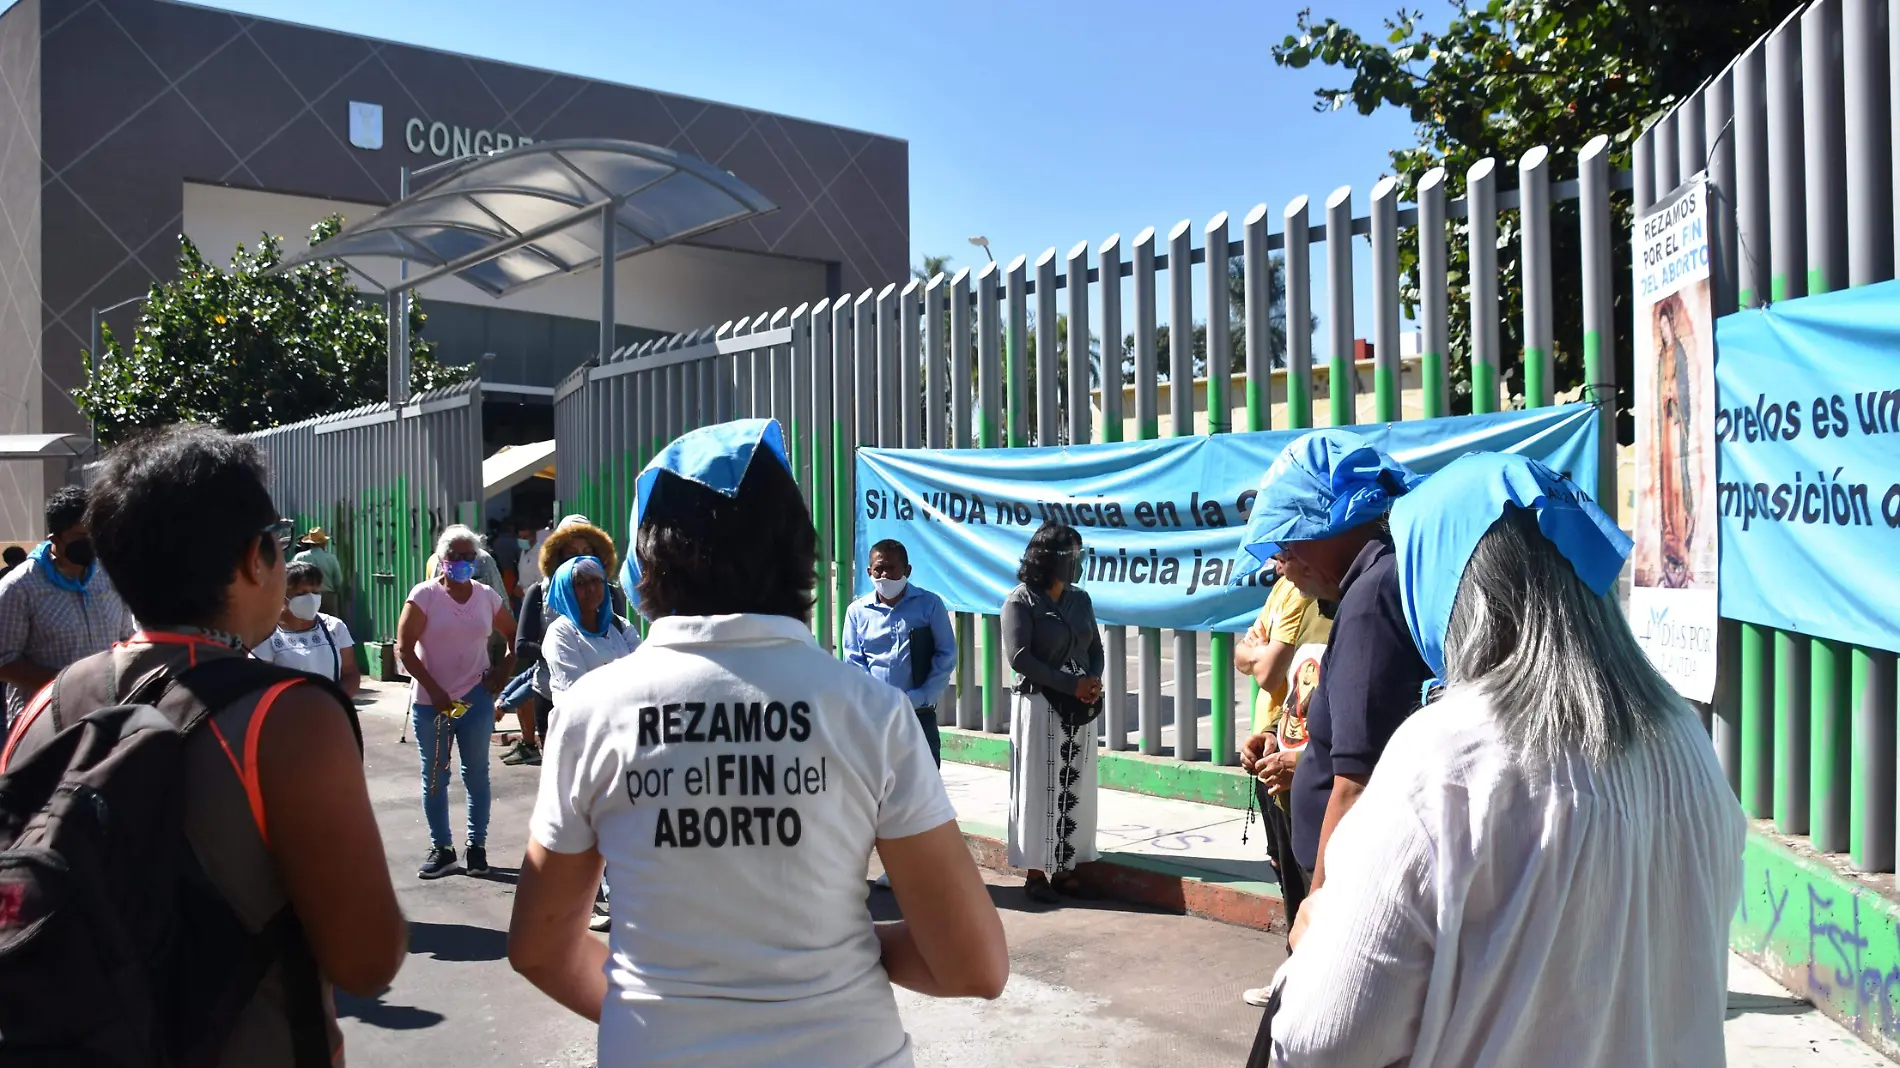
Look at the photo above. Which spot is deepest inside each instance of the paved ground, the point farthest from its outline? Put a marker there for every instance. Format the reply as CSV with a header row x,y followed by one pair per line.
x,y
1104,985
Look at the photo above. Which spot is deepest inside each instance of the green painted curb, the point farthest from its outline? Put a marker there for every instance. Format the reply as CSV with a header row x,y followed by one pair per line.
x,y
1827,934
1159,865
1207,784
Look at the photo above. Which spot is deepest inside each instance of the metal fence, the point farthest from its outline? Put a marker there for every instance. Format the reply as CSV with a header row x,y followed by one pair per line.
x,y
1797,136
981,360
383,482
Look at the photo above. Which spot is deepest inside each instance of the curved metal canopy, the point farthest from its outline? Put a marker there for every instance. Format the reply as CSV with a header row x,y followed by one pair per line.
x,y
513,218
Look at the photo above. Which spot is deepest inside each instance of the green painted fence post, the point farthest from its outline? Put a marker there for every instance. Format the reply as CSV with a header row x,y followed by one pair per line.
x,y
1829,730
1758,722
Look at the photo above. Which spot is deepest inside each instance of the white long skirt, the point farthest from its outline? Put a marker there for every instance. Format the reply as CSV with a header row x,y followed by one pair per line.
x,y
1052,788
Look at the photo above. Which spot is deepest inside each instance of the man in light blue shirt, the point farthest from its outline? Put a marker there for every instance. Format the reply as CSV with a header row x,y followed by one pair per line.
x,y
901,635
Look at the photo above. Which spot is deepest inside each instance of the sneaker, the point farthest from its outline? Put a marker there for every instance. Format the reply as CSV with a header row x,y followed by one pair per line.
x,y
477,861
1257,997
517,755
533,759
441,861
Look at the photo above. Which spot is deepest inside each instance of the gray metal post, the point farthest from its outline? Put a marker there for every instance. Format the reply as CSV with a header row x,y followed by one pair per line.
x,y
1386,368
1691,141
1299,315
989,375
1667,163
799,387
1114,639
823,467
1220,342
1434,296
910,360
1342,378
1219,408
1787,178
1147,425
399,317
1076,270
1540,357
844,421
1868,141
1181,419
889,373
1870,190
1643,172
1718,148
962,377
1256,269
1481,223
1016,353
1048,359
936,357
1825,149
1599,308
1749,89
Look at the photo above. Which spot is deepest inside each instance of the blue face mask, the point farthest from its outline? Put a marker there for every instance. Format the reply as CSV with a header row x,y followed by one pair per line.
x,y
460,570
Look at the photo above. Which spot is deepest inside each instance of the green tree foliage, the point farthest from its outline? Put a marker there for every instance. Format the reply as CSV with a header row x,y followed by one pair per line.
x,y
244,349
1506,76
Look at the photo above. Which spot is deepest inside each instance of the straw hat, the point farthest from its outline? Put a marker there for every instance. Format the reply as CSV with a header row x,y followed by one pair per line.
x,y
317,536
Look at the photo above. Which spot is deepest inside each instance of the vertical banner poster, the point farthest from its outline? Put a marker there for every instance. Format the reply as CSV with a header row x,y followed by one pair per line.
x,y
1672,602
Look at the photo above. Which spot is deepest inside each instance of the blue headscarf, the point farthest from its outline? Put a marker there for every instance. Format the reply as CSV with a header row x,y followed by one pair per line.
x,y
42,557
1323,483
1436,528
561,594
717,457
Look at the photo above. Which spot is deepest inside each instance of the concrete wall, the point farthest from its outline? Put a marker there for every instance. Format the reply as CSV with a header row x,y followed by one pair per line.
x,y
22,485
137,99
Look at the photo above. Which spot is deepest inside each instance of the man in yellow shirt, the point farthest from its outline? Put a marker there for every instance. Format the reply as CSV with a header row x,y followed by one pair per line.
x,y
1289,620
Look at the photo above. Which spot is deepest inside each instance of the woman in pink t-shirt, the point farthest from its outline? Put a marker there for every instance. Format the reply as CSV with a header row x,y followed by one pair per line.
x,y
442,640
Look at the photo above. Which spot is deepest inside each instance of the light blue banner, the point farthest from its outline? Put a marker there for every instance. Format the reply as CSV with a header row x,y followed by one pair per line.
x,y
1161,519
1808,440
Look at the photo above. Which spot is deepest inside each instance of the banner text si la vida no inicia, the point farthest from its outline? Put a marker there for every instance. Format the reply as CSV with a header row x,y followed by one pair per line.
x,y
1161,521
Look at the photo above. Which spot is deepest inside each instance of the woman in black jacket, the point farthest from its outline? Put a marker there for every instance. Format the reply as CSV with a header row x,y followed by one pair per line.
x,y
1053,645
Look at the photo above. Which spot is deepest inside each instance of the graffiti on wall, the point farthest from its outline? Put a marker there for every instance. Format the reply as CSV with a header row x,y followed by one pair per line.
x,y
1824,937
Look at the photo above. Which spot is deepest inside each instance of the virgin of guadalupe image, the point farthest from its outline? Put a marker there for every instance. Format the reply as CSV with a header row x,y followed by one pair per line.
x,y
1675,496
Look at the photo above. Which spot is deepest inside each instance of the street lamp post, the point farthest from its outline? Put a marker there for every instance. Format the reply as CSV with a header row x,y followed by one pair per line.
x,y
983,243
93,356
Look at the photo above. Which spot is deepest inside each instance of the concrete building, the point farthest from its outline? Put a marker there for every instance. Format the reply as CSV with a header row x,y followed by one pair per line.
x,y
130,122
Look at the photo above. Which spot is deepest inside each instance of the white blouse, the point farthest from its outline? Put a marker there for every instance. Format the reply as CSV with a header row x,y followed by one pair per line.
x,y
1484,908
570,652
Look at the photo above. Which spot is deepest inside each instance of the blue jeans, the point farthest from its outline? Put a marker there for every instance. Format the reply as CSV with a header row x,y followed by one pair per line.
x,y
436,736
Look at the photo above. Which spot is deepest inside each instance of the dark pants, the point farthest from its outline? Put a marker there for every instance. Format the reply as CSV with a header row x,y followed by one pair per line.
x,y
1294,880
927,718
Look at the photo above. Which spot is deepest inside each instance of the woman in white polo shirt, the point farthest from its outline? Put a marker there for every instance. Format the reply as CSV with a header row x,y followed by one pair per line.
x,y
307,639
733,779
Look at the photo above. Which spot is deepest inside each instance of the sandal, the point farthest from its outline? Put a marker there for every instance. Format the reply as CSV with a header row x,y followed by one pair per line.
x,y
1037,889
1069,884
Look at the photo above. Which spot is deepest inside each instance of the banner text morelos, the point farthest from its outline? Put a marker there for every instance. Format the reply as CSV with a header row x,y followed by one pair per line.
x,y
1809,433
1160,520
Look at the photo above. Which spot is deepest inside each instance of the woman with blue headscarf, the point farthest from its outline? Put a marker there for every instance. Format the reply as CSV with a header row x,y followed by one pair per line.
x,y
585,633
1543,867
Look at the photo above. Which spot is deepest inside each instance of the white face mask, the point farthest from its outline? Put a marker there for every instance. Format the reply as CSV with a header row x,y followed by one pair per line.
x,y
889,588
304,605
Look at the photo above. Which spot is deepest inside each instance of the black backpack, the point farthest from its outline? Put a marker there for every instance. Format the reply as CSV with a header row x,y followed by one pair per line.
x,y
115,948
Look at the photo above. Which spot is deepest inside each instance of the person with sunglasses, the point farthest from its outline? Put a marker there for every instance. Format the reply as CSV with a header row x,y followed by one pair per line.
x,y
442,639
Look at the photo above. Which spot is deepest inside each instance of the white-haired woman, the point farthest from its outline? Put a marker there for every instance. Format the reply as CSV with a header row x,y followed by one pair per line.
x,y
442,639
1543,867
